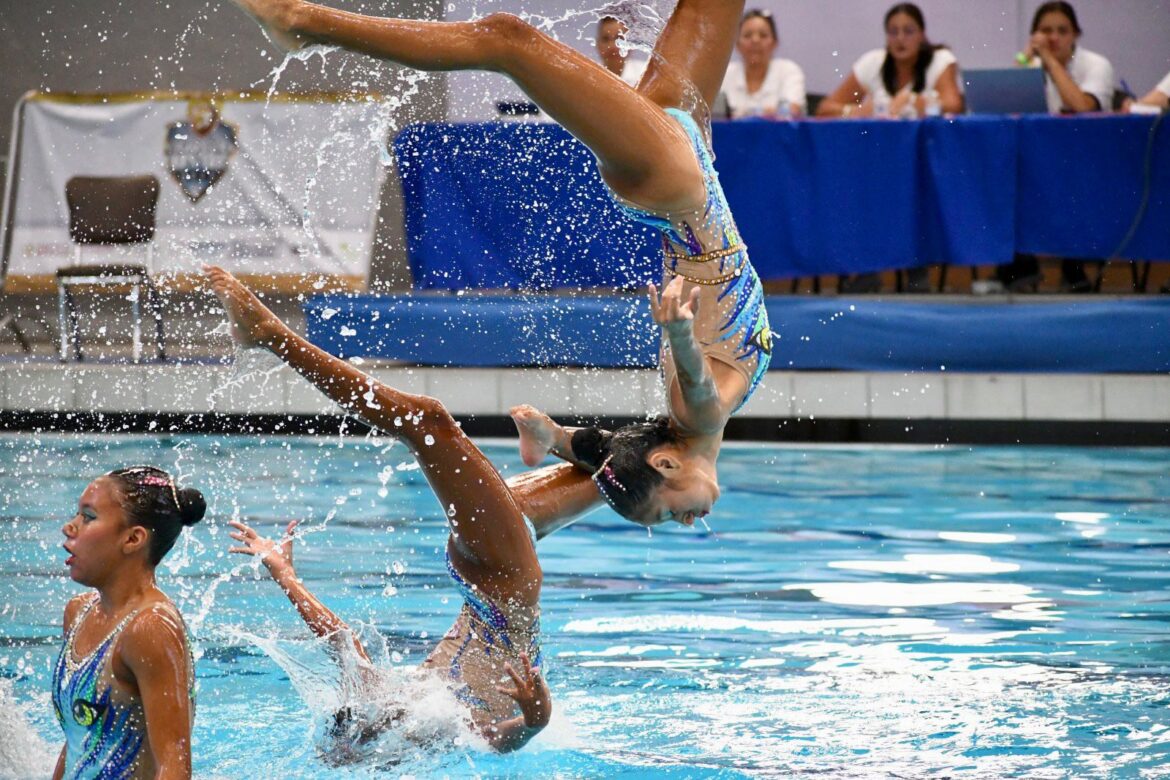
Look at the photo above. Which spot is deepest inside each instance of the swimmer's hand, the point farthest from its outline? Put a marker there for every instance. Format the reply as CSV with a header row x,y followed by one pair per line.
x,y
675,315
253,324
530,692
277,556
276,18
538,433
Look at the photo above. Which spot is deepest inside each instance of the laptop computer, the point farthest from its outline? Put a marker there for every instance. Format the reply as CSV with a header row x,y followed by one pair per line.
x,y
1005,91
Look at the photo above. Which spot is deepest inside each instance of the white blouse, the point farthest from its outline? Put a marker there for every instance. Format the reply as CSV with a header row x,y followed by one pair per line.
x,y
1164,86
868,71
633,70
784,82
1092,73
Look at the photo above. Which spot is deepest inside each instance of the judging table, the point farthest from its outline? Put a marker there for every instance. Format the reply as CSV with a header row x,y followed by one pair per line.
x,y
502,205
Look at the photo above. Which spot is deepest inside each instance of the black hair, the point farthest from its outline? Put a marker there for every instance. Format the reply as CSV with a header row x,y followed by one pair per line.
x,y
1058,7
925,51
150,498
623,475
760,13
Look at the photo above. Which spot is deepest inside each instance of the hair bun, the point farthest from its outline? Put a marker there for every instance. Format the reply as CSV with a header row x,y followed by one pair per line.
x,y
192,506
591,445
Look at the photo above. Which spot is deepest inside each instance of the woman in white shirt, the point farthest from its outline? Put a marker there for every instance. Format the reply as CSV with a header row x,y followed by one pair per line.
x,y
1077,80
1159,96
896,79
759,85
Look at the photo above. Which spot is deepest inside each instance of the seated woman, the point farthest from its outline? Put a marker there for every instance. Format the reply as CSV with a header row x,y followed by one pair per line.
x,y
654,153
123,684
1159,96
491,553
897,79
1077,81
760,85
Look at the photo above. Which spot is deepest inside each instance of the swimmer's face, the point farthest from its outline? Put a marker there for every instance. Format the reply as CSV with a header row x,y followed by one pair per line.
x,y
608,33
688,492
904,37
756,41
98,535
1058,33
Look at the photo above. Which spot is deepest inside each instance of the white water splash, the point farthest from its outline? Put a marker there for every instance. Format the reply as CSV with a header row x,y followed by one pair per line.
x,y
22,751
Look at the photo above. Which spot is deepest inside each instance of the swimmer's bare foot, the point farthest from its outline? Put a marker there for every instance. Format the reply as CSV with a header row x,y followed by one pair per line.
x,y
538,433
253,325
275,17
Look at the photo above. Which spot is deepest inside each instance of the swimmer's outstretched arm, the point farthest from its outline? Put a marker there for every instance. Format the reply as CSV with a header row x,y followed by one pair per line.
x,y
277,557
703,401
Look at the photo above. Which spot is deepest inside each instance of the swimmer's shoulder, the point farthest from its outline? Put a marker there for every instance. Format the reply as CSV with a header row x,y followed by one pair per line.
x,y
74,607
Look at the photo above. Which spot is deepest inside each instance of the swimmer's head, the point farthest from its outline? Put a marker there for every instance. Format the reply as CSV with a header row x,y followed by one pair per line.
x,y
129,512
646,474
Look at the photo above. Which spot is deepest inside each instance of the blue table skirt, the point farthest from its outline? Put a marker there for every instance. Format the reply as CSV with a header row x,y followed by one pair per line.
x,y
811,333
520,206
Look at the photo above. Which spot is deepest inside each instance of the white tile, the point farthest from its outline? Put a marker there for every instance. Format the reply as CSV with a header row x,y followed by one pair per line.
x,y
773,398
1137,398
40,387
985,397
465,390
606,393
304,398
907,397
838,394
186,388
654,400
549,390
256,392
1063,397
109,389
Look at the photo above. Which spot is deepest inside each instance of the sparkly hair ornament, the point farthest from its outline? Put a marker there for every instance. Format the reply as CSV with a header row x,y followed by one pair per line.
x,y
151,476
605,478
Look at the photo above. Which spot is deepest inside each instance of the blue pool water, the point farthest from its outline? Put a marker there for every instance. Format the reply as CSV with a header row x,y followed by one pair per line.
x,y
853,612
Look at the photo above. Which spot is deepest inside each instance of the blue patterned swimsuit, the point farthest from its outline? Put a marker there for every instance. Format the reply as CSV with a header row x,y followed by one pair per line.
x,y
704,247
104,735
485,636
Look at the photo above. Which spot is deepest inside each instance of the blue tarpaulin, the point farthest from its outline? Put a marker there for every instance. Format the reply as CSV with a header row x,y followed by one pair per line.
x,y
853,334
520,206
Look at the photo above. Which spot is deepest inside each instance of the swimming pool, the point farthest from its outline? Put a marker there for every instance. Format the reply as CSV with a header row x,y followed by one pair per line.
x,y
854,612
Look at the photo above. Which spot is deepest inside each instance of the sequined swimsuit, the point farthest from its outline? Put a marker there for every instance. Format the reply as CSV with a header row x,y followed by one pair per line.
x,y
704,247
484,627
104,734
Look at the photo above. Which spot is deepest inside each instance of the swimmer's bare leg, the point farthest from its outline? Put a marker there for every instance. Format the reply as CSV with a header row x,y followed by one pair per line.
x,y
489,541
642,154
694,46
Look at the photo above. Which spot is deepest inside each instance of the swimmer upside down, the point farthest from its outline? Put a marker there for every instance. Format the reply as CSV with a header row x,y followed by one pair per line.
x,y
654,154
491,552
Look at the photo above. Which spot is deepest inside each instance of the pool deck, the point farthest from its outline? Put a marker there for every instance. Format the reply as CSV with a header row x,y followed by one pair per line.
x,y
49,389
38,391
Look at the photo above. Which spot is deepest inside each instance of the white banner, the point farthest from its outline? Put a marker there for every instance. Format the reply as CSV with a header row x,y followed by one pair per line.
x,y
289,186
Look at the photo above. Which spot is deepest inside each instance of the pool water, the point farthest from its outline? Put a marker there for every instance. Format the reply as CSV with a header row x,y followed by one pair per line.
x,y
852,612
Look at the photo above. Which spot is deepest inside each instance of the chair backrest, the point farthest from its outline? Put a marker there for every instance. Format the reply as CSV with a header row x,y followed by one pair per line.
x,y
112,209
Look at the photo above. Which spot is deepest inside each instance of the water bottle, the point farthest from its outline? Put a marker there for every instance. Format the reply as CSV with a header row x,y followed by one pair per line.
x,y
784,111
881,105
932,106
910,108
